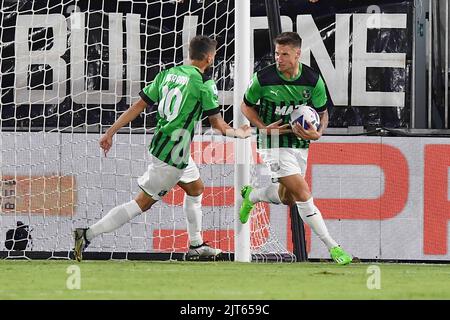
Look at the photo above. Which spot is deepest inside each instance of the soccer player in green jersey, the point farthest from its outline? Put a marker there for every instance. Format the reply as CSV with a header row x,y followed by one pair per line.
x,y
183,95
280,89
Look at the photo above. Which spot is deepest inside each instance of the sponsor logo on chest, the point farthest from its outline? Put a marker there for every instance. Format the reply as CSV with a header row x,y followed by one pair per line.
x,y
285,110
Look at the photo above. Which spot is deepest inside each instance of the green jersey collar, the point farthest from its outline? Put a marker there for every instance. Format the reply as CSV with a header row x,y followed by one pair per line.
x,y
300,69
195,67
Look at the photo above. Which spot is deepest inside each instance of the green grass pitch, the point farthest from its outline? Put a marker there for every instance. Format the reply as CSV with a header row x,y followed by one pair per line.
x,y
220,280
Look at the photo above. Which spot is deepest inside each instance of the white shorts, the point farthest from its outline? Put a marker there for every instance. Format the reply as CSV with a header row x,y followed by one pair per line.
x,y
284,162
160,177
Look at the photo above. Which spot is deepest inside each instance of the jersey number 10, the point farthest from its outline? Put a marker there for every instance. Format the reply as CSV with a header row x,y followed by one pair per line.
x,y
166,102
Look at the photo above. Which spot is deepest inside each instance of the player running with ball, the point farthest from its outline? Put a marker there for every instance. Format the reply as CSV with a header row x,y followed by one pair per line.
x,y
280,89
183,94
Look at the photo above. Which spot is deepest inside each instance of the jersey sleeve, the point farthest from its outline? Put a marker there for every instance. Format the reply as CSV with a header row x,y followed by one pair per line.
x,y
253,92
320,99
210,98
150,93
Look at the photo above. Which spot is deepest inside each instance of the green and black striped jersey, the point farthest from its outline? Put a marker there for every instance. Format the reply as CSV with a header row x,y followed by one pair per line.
x,y
183,94
279,96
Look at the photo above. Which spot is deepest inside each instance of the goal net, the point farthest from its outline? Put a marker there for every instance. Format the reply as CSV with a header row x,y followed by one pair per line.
x,y
69,69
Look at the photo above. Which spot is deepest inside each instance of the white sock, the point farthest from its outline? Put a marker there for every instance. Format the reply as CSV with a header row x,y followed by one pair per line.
x,y
312,216
267,194
192,207
114,219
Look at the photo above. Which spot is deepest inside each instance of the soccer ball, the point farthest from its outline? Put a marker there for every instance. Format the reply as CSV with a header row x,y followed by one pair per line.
x,y
305,113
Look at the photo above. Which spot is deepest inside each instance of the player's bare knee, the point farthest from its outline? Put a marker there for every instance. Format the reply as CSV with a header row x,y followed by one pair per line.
x,y
286,199
301,196
197,191
144,201
193,189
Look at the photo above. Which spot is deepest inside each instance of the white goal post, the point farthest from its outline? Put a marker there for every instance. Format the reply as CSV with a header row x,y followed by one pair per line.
x,y
243,148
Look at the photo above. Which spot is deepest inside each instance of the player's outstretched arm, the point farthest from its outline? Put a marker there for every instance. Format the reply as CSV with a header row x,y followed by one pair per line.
x,y
129,115
220,125
272,129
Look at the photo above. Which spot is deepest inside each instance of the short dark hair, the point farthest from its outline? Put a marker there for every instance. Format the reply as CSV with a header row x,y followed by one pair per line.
x,y
200,46
289,38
